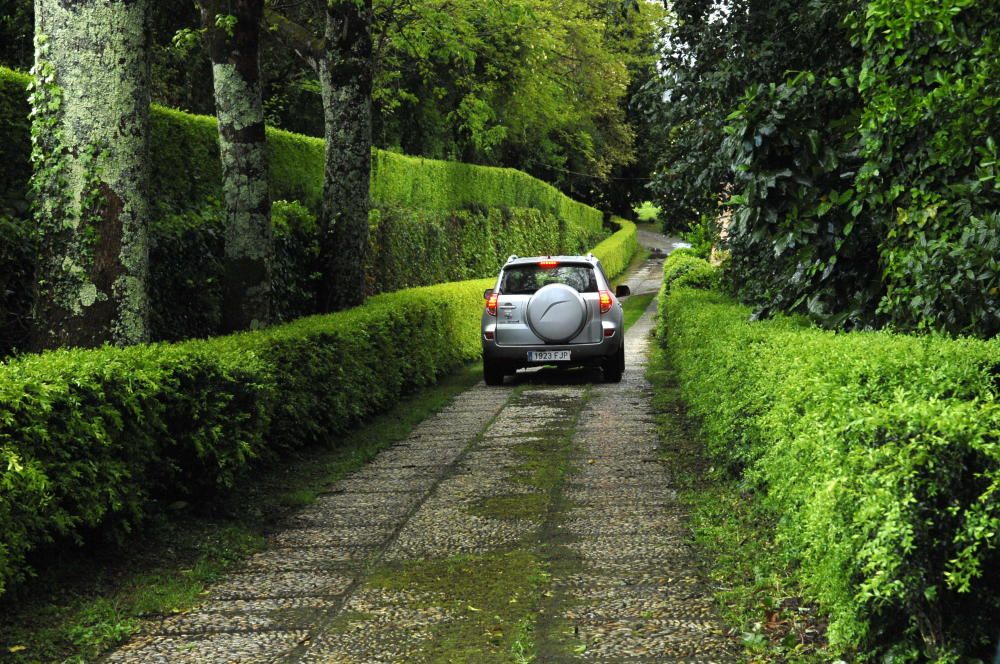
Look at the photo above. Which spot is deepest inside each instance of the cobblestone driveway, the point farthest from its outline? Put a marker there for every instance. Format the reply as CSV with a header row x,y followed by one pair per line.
x,y
532,518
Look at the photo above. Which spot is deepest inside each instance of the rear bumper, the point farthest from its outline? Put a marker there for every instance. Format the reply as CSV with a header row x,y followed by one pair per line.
x,y
517,356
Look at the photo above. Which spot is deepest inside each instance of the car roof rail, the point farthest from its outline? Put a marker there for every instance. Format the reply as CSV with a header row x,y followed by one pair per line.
x,y
512,257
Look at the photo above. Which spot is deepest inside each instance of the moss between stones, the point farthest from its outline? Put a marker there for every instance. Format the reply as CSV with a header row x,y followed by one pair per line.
x,y
495,599
531,506
492,598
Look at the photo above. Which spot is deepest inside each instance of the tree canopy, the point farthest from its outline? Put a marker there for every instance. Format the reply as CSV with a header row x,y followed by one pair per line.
x,y
530,84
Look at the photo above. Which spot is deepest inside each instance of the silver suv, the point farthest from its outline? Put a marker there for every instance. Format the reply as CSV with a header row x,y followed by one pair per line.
x,y
553,310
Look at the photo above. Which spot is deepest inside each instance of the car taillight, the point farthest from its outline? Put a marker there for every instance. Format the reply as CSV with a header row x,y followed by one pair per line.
x,y
491,304
605,301
548,264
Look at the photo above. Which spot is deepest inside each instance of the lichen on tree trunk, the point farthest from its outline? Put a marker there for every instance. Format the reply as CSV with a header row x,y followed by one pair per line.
x,y
243,151
345,74
90,115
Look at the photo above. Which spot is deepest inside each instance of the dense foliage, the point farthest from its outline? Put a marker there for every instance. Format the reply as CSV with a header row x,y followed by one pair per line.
x,y
854,142
522,83
433,221
90,440
616,252
930,83
528,83
877,451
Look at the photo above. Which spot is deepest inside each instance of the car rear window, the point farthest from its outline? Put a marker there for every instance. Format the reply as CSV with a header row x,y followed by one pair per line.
x,y
526,279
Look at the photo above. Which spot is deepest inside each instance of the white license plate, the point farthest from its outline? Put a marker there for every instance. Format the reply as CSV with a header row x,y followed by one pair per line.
x,y
548,355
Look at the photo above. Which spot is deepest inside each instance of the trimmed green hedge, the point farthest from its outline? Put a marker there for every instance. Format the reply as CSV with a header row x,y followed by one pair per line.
x,y
684,269
15,148
405,181
186,172
407,248
617,251
878,451
434,220
418,247
186,268
89,439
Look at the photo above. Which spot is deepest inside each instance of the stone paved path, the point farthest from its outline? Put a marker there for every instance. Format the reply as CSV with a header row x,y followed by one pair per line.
x,y
531,518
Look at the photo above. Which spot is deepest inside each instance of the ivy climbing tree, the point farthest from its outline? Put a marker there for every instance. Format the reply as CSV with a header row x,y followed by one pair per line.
x,y
90,111
232,28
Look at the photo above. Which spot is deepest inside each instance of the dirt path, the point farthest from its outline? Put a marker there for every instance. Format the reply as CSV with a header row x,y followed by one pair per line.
x,y
531,520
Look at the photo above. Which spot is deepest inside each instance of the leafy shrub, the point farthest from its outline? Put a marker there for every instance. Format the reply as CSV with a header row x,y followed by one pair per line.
x,y
879,452
435,220
948,280
860,146
17,259
703,236
89,439
795,246
930,84
617,251
683,268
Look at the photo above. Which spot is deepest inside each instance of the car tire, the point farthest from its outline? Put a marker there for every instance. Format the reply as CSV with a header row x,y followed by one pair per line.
x,y
493,372
614,366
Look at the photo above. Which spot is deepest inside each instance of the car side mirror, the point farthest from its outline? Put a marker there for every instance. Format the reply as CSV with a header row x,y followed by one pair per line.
x,y
487,293
622,291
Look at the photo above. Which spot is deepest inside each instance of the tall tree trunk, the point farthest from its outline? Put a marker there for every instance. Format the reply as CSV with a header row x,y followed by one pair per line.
x,y
90,110
345,75
235,52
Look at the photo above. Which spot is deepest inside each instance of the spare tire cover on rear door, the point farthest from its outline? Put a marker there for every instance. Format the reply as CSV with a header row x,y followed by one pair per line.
x,y
556,313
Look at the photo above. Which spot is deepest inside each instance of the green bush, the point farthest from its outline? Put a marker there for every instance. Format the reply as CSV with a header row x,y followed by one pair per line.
x,y
617,251
878,451
90,439
702,236
186,265
684,268
930,86
433,220
17,259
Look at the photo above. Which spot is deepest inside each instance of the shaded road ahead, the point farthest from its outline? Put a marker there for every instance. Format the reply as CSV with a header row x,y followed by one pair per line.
x,y
531,519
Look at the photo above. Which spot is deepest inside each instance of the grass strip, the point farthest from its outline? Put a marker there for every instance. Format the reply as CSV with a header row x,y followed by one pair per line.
x,y
635,306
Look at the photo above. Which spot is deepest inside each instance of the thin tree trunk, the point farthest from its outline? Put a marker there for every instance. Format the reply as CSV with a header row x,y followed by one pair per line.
x,y
90,111
345,74
235,53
